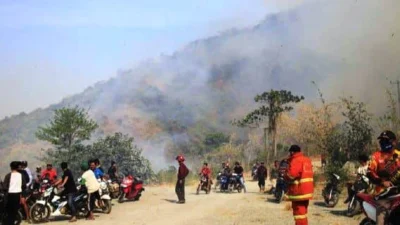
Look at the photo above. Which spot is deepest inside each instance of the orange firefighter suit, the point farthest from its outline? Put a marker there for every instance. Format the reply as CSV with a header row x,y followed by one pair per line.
x,y
301,186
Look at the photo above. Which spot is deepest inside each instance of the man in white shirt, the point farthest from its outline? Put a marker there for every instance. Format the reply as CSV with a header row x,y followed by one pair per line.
x,y
14,184
92,185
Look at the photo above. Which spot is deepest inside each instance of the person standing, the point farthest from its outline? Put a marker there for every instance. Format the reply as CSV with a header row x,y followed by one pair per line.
x,y
183,171
14,184
92,185
25,192
301,184
261,176
67,181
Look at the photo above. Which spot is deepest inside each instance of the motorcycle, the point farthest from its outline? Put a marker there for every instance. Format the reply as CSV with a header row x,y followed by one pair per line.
x,y
131,189
3,214
254,174
54,204
223,182
234,183
369,205
360,186
280,188
105,204
114,189
204,185
331,191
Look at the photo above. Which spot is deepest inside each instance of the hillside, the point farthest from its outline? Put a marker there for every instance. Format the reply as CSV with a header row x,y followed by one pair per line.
x,y
209,82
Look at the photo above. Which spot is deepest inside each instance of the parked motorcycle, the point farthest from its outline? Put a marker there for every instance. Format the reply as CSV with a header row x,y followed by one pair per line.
x,y
132,189
369,205
234,183
54,204
204,185
114,189
254,174
223,182
331,191
105,204
280,188
360,186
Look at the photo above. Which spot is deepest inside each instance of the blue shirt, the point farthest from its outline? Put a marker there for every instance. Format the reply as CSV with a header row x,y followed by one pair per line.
x,y
98,173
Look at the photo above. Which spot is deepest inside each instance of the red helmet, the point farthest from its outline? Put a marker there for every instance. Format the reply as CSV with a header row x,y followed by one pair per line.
x,y
180,158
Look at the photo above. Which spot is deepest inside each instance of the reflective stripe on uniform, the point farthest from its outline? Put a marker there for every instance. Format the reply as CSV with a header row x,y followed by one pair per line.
x,y
298,197
300,217
304,180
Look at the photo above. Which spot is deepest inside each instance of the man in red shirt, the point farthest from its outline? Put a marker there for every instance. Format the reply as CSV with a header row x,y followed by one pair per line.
x,y
183,171
206,172
49,173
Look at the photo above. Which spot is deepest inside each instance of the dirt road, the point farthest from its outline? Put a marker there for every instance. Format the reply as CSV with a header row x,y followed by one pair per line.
x,y
158,207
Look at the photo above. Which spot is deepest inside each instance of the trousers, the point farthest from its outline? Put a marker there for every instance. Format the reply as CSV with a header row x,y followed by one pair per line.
x,y
12,207
180,190
300,209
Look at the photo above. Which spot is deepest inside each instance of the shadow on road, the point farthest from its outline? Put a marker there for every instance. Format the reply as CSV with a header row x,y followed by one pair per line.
x,y
320,204
339,212
170,200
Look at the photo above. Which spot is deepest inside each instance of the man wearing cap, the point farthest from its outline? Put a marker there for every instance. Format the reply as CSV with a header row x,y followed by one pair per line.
x,y
383,168
301,185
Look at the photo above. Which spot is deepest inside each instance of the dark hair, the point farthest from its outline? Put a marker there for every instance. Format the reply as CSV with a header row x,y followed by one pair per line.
x,y
64,165
206,164
96,161
24,163
49,164
112,163
14,165
294,148
237,163
363,158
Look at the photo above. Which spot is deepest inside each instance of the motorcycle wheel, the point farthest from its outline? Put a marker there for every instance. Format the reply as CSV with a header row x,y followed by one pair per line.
x,y
18,220
367,221
279,195
40,213
107,206
137,198
82,210
198,190
353,208
333,201
121,198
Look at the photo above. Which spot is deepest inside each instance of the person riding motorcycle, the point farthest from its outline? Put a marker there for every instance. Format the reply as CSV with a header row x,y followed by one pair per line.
x,y
383,170
361,171
238,169
206,172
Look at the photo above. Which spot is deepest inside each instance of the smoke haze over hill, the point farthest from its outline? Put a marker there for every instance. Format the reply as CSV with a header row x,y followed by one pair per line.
x,y
347,47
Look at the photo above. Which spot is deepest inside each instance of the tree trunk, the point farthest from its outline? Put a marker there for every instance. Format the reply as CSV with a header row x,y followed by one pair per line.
x,y
274,144
265,145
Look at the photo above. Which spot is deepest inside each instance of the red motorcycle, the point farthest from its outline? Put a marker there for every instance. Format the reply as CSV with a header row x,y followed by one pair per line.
x,y
131,189
369,205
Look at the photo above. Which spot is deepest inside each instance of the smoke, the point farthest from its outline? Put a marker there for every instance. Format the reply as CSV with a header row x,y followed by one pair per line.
x,y
347,47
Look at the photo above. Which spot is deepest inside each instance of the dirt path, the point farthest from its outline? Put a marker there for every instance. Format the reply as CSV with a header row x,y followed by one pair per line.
x,y
158,207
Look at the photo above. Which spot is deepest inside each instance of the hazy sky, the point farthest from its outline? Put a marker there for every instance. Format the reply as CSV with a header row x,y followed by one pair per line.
x,y
53,49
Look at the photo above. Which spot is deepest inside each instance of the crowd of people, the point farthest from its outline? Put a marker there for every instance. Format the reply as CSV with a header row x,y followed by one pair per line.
x,y
20,182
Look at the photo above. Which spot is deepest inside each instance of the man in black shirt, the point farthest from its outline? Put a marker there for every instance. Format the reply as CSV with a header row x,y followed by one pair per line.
x,y
261,174
70,190
25,192
112,171
238,169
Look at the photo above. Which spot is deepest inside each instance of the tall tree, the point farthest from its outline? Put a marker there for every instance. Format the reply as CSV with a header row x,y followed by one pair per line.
x,y
70,126
273,104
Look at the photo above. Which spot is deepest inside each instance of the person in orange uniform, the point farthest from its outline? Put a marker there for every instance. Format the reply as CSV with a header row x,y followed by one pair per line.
x,y
383,168
301,184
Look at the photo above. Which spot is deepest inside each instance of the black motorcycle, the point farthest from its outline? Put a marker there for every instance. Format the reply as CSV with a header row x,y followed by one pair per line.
x,y
360,186
280,189
331,191
234,183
